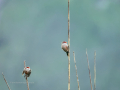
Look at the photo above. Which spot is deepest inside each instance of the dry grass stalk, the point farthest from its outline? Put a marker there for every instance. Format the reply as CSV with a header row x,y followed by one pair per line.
x,y
24,64
95,70
89,70
27,83
76,70
26,77
69,48
6,81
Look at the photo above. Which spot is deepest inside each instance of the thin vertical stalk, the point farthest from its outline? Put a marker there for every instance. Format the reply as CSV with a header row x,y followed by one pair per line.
x,y
76,70
69,48
26,77
95,70
24,64
27,83
6,81
89,70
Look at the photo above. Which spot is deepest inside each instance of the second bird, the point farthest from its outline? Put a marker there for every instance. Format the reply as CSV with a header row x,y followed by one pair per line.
x,y
65,47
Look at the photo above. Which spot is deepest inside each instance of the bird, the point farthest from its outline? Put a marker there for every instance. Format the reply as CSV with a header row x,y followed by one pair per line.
x,y
65,47
26,71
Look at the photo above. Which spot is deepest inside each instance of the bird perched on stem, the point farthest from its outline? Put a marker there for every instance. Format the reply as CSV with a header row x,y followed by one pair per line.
x,y
27,71
65,47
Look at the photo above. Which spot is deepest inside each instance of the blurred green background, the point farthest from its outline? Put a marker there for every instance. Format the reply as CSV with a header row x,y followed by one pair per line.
x,y
33,30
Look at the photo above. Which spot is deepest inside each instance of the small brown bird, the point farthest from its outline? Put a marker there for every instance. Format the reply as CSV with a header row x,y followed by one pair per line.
x,y
65,47
27,71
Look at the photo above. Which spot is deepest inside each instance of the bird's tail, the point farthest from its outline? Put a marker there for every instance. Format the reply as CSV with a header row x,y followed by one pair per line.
x,y
67,53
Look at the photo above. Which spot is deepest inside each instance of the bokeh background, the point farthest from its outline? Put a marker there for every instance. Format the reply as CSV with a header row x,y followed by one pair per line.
x,y
33,30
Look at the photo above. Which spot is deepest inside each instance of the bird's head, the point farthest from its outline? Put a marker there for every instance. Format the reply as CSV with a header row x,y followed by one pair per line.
x,y
28,68
64,42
